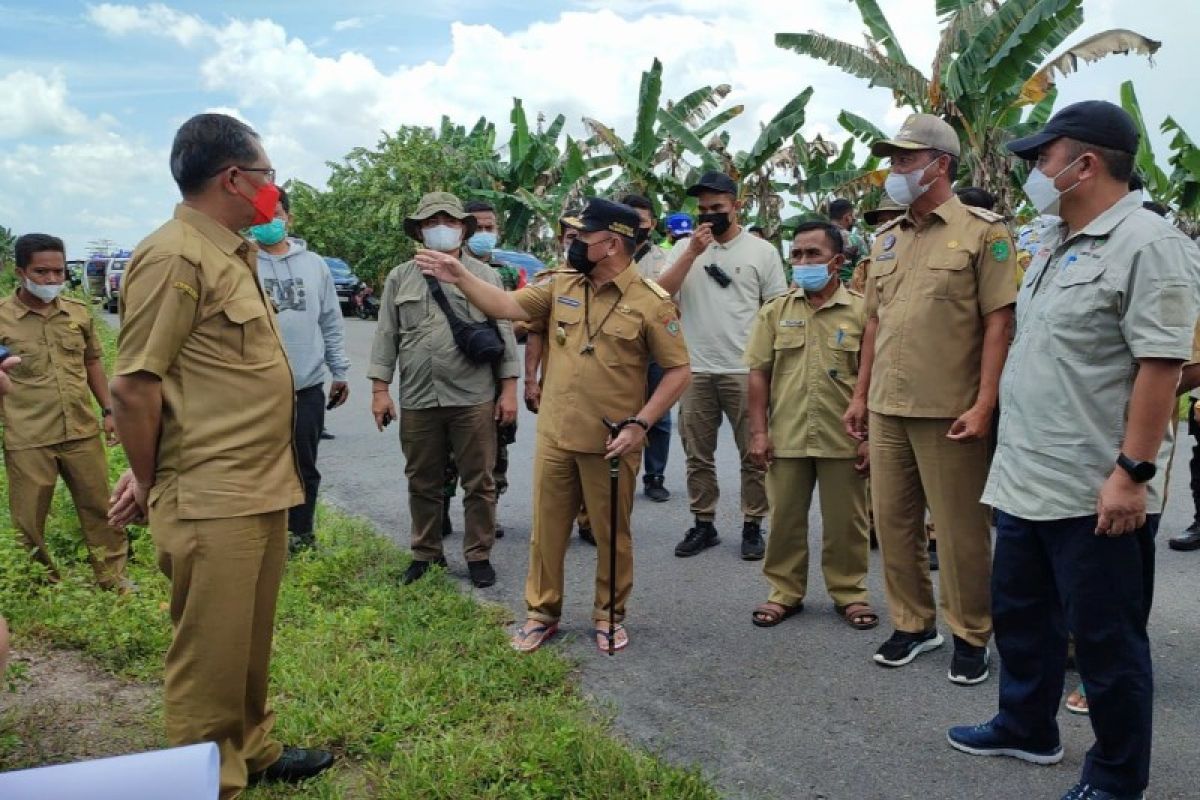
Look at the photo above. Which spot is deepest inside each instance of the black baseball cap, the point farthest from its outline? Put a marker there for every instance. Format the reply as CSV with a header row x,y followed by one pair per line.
x,y
605,215
714,182
1093,122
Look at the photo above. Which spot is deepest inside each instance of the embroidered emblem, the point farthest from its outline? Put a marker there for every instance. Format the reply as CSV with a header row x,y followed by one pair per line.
x,y
1000,250
673,327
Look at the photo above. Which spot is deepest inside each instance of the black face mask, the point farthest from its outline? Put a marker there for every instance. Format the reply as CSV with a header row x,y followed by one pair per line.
x,y
577,257
643,234
720,222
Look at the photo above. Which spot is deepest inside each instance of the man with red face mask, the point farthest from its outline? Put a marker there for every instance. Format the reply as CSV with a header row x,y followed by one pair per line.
x,y
214,478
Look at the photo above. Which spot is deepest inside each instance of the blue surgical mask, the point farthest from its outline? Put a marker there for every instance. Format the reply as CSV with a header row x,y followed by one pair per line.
x,y
811,277
482,243
269,233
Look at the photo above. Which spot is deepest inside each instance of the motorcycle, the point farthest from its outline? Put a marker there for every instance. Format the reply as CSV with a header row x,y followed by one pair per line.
x,y
364,303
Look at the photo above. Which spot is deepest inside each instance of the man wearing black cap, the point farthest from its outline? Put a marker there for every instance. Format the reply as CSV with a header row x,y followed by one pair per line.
x,y
604,323
737,272
1105,322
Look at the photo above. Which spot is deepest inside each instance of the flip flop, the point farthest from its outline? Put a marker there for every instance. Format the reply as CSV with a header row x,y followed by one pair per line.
x,y
768,615
526,640
619,643
1077,701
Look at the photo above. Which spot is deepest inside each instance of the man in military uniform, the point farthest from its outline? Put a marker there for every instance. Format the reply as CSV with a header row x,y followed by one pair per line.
x,y
803,360
204,401
608,323
449,403
50,428
940,297
722,278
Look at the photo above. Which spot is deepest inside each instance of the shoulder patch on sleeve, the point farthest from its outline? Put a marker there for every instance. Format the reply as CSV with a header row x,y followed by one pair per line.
x,y
984,214
654,287
188,290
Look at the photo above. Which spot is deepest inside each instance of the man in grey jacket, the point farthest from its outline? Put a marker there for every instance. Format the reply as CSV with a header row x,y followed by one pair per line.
x,y
300,287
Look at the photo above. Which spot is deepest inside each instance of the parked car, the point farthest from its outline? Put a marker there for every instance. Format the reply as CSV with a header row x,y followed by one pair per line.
x,y
94,277
114,270
344,281
528,264
75,272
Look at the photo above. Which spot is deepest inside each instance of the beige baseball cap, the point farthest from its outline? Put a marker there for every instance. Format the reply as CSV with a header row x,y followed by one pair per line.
x,y
920,132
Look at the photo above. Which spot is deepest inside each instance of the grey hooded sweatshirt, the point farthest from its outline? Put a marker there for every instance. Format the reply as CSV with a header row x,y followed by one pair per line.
x,y
310,317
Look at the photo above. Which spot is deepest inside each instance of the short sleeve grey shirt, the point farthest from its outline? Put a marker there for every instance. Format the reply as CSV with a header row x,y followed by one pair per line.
x,y
1125,288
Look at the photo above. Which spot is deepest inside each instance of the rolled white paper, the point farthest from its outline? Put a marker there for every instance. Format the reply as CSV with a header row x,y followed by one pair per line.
x,y
181,773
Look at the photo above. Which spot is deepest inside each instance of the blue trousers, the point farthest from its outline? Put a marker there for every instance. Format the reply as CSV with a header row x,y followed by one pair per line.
x,y
658,440
1054,577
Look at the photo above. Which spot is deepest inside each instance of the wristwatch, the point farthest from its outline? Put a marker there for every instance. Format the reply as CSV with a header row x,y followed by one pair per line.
x,y
106,412
1140,471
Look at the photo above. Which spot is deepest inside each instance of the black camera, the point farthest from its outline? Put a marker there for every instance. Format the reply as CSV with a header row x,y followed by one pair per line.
x,y
719,275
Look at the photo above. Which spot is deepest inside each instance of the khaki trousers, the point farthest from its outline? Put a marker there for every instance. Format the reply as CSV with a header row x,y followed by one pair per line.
x,y
561,478
427,436
225,576
914,464
846,543
708,397
32,476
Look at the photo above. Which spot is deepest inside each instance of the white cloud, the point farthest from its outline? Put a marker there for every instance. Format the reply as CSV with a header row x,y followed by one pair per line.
x,y
36,105
156,18
348,24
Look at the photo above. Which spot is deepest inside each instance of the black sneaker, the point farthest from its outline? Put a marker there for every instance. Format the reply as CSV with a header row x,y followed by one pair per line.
x,y
933,556
417,569
298,542
447,524
655,490
1085,791
586,535
988,740
753,546
326,436
969,665
697,539
295,764
904,647
482,574
1187,541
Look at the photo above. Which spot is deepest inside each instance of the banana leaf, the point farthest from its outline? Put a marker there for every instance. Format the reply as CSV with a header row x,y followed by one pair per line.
x,y
909,85
786,122
645,143
881,31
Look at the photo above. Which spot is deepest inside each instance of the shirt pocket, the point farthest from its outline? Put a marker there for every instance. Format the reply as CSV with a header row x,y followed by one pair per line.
x,y
844,350
789,350
411,312
623,332
246,337
1081,316
34,361
949,276
71,347
886,279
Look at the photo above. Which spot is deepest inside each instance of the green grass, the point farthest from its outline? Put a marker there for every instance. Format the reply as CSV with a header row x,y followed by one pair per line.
x,y
414,687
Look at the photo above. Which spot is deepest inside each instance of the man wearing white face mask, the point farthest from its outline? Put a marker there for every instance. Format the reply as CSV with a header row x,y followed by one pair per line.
x,y
50,428
1105,323
448,402
940,294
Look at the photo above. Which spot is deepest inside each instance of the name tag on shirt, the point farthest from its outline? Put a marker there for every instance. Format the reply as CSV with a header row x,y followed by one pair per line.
x,y
791,323
569,301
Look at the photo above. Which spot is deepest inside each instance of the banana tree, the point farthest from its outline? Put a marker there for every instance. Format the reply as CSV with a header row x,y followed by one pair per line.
x,y
1180,190
989,78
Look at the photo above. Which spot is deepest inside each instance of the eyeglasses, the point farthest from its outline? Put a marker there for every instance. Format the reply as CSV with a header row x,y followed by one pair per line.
x,y
266,171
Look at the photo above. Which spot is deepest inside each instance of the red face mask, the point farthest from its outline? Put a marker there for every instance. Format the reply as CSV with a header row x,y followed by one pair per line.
x,y
264,202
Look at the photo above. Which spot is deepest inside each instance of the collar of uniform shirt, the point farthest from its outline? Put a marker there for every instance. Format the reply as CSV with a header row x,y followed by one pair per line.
x,y
947,212
840,296
23,309
1104,224
621,280
229,241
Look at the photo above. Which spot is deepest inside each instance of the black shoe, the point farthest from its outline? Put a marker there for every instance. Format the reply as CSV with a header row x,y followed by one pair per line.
x,y
969,665
586,535
417,569
655,490
298,542
1085,791
447,525
752,542
295,764
482,574
499,531
326,436
1187,541
933,557
904,647
697,539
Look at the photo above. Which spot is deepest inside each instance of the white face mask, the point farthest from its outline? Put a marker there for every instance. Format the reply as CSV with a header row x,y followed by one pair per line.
x,y
442,238
44,292
904,188
1041,191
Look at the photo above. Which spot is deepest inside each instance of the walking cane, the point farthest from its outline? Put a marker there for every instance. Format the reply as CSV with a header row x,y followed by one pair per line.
x,y
614,476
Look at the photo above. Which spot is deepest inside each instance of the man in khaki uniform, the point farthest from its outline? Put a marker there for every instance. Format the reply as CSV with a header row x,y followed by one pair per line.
x,y
49,425
448,403
940,296
803,360
606,323
204,404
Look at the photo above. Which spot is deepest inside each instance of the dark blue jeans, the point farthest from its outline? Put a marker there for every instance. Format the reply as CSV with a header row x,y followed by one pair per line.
x,y
658,440
1054,577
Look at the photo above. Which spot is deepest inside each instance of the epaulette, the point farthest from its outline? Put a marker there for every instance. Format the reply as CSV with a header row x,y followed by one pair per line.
x,y
654,287
985,215
547,275
887,226
74,300
853,293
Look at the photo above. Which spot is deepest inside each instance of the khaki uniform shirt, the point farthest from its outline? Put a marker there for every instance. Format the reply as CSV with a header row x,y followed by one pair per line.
x,y
717,320
931,285
812,357
1126,287
653,262
51,402
413,331
599,344
193,314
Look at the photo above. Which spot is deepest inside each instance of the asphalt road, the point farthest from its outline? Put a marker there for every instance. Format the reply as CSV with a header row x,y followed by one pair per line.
x,y
796,711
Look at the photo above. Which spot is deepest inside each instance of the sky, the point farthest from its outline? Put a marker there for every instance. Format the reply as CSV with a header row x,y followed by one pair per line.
x,y
92,93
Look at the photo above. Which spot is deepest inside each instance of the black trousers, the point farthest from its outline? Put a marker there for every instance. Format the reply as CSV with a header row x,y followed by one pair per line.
x,y
310,419
1054,577
1194,430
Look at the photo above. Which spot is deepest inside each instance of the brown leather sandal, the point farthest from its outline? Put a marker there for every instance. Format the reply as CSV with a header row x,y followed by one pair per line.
x,y
859,616
768,615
